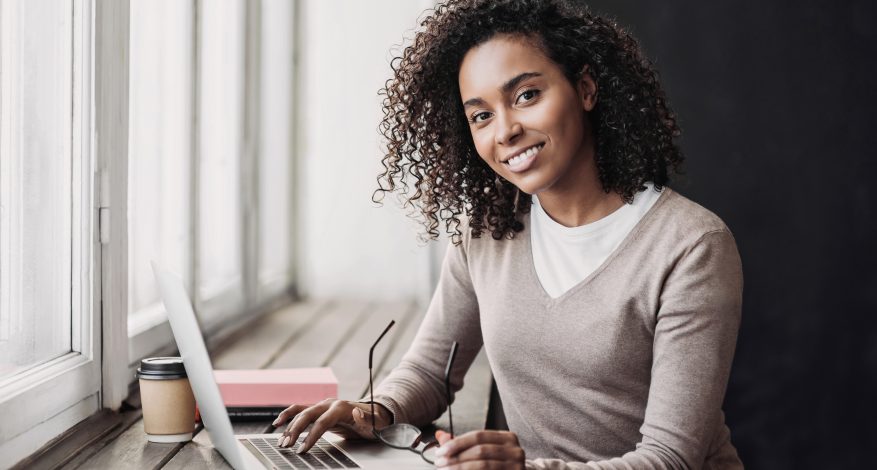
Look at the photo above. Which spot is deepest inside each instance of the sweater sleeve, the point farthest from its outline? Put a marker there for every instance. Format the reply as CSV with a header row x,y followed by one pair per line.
x,y
694,341
414,392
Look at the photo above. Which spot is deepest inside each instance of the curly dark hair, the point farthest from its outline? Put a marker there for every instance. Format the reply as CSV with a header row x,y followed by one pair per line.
x,y
431,158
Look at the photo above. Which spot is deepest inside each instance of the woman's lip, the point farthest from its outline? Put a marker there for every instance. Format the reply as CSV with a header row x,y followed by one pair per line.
x,y
525,164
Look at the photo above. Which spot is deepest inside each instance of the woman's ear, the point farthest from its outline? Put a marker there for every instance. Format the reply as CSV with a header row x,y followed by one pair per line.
x,y
587,89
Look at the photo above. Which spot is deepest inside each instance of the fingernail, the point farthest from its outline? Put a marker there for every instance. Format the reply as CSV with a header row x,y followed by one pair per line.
x,y
301,449
285,441
360,413
280,441
441,462
276,422
440,451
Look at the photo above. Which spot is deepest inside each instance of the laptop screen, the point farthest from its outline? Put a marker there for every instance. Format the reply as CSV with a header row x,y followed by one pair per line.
x,y
197,363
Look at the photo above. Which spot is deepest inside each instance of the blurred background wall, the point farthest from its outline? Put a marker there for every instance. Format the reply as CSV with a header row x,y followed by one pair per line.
x,y
350,247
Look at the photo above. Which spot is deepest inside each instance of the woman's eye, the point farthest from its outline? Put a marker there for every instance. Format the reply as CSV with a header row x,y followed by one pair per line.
x,y
479,117
528,95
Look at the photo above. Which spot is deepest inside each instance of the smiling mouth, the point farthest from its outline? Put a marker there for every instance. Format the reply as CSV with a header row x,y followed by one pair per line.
x,y
523,160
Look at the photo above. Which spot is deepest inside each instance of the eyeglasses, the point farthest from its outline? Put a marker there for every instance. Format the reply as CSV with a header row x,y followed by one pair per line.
x,y
403,435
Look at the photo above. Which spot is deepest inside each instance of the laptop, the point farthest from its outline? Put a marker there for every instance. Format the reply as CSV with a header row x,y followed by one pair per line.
x,y
259,451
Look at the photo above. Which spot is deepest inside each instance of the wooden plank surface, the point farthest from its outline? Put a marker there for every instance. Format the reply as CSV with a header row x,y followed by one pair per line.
x,y
131,450
261,343
329,329
350,363
85,439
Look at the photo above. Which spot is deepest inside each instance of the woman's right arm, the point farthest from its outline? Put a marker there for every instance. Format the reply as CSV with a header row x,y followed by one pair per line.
x,y
414,391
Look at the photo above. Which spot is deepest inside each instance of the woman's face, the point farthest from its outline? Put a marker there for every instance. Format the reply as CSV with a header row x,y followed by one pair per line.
x,y
527,120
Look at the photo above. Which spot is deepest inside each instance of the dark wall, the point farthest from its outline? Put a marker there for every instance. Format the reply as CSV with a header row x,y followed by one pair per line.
x,y
777,104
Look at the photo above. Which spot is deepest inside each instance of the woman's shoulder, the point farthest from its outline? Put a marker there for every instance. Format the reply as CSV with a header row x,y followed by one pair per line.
x,y
689,214
678,218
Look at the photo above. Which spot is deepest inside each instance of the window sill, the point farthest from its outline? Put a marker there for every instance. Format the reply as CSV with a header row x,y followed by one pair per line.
x,y
85,439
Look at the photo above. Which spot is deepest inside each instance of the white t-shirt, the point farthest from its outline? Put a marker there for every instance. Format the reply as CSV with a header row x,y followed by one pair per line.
x,y
565,256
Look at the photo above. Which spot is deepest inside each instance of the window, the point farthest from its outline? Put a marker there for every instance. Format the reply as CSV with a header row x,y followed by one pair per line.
x,y
35,193
160,184
210,149
49,341
222,152
167,162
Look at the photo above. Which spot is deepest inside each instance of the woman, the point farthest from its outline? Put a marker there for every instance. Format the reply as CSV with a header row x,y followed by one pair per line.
x,y
608,304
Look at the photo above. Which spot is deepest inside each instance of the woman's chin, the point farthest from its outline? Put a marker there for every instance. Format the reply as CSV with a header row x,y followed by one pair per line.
x,y
529,185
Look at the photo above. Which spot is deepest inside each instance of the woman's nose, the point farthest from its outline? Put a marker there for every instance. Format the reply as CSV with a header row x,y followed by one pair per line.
x,y
508,129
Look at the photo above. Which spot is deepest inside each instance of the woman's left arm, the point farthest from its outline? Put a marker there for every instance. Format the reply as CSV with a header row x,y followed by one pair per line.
x,y
694,341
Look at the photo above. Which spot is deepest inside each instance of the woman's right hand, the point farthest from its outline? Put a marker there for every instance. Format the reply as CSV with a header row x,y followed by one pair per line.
x,y
351,420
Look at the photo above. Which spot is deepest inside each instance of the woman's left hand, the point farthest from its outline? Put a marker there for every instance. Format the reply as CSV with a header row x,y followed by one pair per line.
x,y
479,449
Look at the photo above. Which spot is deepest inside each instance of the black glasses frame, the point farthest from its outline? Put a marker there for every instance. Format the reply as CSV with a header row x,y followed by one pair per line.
x,y
410,430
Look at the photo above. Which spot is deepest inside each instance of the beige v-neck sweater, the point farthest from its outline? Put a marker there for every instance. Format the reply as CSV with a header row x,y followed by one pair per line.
x,y
627,369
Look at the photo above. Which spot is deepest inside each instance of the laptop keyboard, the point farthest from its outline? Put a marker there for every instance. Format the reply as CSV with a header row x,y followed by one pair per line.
x,y
322,455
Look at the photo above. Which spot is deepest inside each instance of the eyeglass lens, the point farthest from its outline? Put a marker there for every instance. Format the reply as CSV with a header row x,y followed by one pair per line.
x,y
400,436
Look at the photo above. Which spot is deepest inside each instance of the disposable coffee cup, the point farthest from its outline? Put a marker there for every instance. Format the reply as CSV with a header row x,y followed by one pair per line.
x,y
167,399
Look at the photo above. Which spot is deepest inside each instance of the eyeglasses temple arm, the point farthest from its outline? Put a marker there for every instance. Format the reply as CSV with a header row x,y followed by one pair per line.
x,y
371,385
450,365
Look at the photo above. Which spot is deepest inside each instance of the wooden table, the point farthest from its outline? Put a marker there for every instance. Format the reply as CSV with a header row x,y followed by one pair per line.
x,y
334,334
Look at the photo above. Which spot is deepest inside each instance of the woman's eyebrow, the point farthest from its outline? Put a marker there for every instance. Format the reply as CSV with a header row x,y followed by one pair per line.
x,y
511,84
505,88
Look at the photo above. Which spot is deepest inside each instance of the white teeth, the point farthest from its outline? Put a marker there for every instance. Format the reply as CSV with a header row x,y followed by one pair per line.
x,y
525,155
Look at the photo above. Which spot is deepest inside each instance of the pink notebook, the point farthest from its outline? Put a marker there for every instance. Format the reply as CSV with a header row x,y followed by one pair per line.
x,y
276,387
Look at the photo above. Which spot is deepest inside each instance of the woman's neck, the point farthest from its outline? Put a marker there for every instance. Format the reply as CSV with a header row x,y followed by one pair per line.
x,y
580,205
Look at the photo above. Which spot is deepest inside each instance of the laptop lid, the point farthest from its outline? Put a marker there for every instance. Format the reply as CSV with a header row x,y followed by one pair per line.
x,y
197,364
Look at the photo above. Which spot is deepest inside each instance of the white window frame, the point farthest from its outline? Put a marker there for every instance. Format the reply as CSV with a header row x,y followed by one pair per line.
x,y
112,33
46,400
